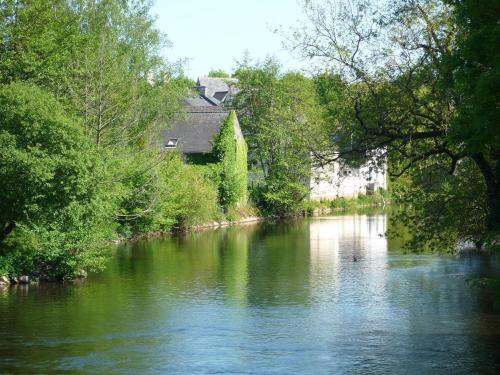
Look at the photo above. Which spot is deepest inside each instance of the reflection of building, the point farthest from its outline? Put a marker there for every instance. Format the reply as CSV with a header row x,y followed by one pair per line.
x,y
362,233
340,239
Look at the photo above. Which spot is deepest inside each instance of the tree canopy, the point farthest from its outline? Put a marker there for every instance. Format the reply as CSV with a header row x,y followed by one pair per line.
x,y
421,85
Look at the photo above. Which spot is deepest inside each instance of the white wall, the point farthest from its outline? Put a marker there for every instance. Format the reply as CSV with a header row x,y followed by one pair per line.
x,y
335,181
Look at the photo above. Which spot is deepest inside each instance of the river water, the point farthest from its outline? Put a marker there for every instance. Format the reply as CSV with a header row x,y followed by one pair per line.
x,y
327,295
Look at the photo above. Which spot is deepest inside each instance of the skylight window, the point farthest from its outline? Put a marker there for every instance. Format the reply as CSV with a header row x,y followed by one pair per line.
x,y
171,143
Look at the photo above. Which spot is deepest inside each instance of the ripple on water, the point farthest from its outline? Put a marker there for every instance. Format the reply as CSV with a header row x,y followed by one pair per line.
x,y
310,297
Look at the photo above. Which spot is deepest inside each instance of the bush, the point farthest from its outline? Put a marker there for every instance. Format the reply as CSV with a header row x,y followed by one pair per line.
x,y
279,196
192,198
162,193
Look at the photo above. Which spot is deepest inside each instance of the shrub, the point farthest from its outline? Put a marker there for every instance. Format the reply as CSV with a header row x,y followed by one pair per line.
x,y
162,193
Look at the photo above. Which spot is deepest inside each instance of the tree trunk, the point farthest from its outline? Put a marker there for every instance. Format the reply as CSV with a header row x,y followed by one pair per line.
x,y
493,224
7,230
493,193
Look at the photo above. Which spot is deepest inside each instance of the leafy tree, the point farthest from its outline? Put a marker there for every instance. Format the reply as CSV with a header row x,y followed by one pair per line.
x,y
279,114
39,39
56,197
415,80
119,85
475,70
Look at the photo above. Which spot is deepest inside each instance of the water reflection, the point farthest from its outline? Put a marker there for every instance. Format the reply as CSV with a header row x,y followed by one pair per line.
x,y
360,237
326,295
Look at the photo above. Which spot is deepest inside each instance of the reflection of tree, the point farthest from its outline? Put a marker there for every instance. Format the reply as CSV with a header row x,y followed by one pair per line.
x,y
234,248
279,264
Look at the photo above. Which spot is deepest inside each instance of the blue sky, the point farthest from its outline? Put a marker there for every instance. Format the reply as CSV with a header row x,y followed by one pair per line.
x,y
214,34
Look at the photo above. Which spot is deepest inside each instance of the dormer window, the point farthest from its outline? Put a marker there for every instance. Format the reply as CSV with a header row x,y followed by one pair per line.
x,y
171,143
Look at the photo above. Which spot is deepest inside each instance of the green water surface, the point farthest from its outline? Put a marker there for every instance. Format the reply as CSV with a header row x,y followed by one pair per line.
x,y
326,295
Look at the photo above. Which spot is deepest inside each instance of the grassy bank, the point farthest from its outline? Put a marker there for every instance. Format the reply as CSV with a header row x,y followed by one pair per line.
x,y
345,204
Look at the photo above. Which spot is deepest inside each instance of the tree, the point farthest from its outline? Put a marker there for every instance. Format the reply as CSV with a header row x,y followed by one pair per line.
x,y
279,114
39,39
56,193
411,94
118,84
100,58
475,69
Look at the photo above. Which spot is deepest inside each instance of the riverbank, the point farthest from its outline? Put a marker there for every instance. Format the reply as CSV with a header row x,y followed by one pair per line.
x,y
322,207
252,216
247,220
243,217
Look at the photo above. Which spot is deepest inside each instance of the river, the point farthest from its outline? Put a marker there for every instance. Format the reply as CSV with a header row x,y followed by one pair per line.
x,y
328,295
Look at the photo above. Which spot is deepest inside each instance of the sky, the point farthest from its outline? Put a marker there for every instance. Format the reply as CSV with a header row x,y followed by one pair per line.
x,y
214,35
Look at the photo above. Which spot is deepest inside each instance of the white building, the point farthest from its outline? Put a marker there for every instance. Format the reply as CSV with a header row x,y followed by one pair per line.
x,y
336,180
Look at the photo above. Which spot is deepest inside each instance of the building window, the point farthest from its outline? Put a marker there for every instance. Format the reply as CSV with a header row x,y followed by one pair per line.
x,y
171,143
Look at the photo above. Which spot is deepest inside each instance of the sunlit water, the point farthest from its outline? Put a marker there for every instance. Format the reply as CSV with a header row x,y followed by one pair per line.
x,y
321,296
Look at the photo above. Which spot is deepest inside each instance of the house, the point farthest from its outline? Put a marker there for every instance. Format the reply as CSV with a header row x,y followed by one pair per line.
x,y
335,180
208,111
195,134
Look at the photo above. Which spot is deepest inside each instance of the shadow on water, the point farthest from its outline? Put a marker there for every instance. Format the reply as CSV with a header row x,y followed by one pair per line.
x,y
320,295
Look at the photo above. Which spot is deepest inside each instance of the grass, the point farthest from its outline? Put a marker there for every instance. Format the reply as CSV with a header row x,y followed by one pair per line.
x,y
346,204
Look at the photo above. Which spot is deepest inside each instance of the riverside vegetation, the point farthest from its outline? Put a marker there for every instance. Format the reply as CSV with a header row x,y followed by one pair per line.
x,y
84,94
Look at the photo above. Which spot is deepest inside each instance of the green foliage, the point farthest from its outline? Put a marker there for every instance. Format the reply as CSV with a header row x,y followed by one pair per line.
x,y
280,117
61,210
231,150
194,198
219,74
475,67
281,195
163,194
38,42
434,200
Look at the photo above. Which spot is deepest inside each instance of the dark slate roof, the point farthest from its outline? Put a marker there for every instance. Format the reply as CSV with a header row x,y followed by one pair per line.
x,y
198,101
196,131
214,85
202,101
